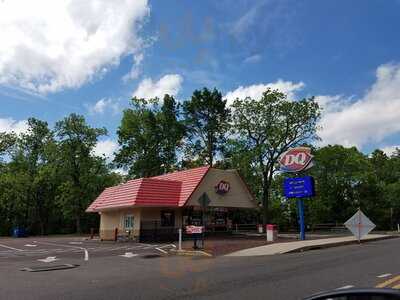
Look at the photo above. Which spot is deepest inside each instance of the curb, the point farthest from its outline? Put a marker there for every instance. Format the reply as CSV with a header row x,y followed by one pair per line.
x,y
337,244
190,253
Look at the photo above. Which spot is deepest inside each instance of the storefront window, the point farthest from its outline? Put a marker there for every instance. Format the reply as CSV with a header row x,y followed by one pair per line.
x,y
128,222
167,218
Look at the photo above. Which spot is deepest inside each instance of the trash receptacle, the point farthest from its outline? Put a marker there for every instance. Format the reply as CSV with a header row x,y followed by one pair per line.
x,y
19,232
272,232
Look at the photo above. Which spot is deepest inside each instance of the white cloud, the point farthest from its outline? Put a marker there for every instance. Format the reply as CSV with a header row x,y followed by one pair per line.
x,y
330,103
10,125
389,150
246,21
121,171
168,84
369,119
103,105
135,71
48,45
106,148
255,91
252,59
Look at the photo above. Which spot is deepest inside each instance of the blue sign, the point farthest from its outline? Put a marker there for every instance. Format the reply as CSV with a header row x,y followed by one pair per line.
x,y
299,187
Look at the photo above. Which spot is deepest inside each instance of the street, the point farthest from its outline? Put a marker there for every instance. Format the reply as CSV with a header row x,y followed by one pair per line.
x,y
108,275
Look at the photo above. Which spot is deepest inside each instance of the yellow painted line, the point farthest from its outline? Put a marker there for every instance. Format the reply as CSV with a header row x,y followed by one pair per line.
x,y
388,282
397,286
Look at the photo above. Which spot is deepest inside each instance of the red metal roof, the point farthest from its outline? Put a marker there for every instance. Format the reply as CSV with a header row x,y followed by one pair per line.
x,y
172,189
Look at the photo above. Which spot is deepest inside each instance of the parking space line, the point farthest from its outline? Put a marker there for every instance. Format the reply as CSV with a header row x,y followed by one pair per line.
x,y
151,247
384,275
86,257
12,248
163,246
161,250
388,282
345,287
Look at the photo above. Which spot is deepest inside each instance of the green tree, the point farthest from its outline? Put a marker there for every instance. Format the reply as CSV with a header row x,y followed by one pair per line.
x,y
149,136
83,173
24,199
346,180
270,126
34,145
338,172
7,141
206,118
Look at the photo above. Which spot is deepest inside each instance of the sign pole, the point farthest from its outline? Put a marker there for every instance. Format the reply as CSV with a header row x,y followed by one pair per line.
x,y
296,160
300,205
359,226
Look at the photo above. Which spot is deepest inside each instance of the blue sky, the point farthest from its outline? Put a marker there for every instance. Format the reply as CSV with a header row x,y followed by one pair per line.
x,y
91,58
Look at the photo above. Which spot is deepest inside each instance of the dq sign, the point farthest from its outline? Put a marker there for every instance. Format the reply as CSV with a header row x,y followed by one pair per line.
x,y
296,159
222,187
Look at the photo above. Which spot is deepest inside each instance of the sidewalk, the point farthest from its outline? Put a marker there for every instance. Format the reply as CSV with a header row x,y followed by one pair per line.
x,y
281,248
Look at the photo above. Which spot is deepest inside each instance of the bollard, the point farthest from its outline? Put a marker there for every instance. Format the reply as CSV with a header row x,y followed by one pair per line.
x,y
180,239
115,234
91,233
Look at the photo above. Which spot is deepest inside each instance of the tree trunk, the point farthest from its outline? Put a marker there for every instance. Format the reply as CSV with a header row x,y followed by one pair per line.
x,y
41,224
210,152
78,224
265,200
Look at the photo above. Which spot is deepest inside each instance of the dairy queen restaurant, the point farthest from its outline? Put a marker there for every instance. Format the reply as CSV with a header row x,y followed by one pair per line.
x,y
153,209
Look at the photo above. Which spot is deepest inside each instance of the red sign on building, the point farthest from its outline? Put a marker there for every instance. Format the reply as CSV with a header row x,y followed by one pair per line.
x,y
222,187
296,159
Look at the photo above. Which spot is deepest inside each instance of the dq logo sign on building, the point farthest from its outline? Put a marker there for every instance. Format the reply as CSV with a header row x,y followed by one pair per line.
x,y
296,159
222,187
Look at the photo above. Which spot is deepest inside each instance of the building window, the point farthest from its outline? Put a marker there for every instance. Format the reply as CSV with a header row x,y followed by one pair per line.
x,y
167,218
128,222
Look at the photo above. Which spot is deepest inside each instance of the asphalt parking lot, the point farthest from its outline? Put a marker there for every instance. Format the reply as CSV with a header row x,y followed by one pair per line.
x,y
150,274
64,249
30,268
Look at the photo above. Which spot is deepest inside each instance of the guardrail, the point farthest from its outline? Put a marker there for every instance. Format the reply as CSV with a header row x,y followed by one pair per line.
x,y
332,227
244,227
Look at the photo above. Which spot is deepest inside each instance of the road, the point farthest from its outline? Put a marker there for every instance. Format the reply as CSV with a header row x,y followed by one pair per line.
x,y
289,276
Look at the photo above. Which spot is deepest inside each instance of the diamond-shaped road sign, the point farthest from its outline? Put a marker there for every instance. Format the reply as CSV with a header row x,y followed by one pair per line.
x,y
359,225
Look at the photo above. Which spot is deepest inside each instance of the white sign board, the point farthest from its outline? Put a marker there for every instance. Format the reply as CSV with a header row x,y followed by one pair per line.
x,y
359,225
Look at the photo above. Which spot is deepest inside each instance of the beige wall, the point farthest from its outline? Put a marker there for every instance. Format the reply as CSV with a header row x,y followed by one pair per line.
x,y
154,214
109,220
238,195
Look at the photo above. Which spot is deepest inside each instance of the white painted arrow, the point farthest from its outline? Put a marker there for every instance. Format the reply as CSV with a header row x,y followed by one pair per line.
x,y
129,254
30,245
49,259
